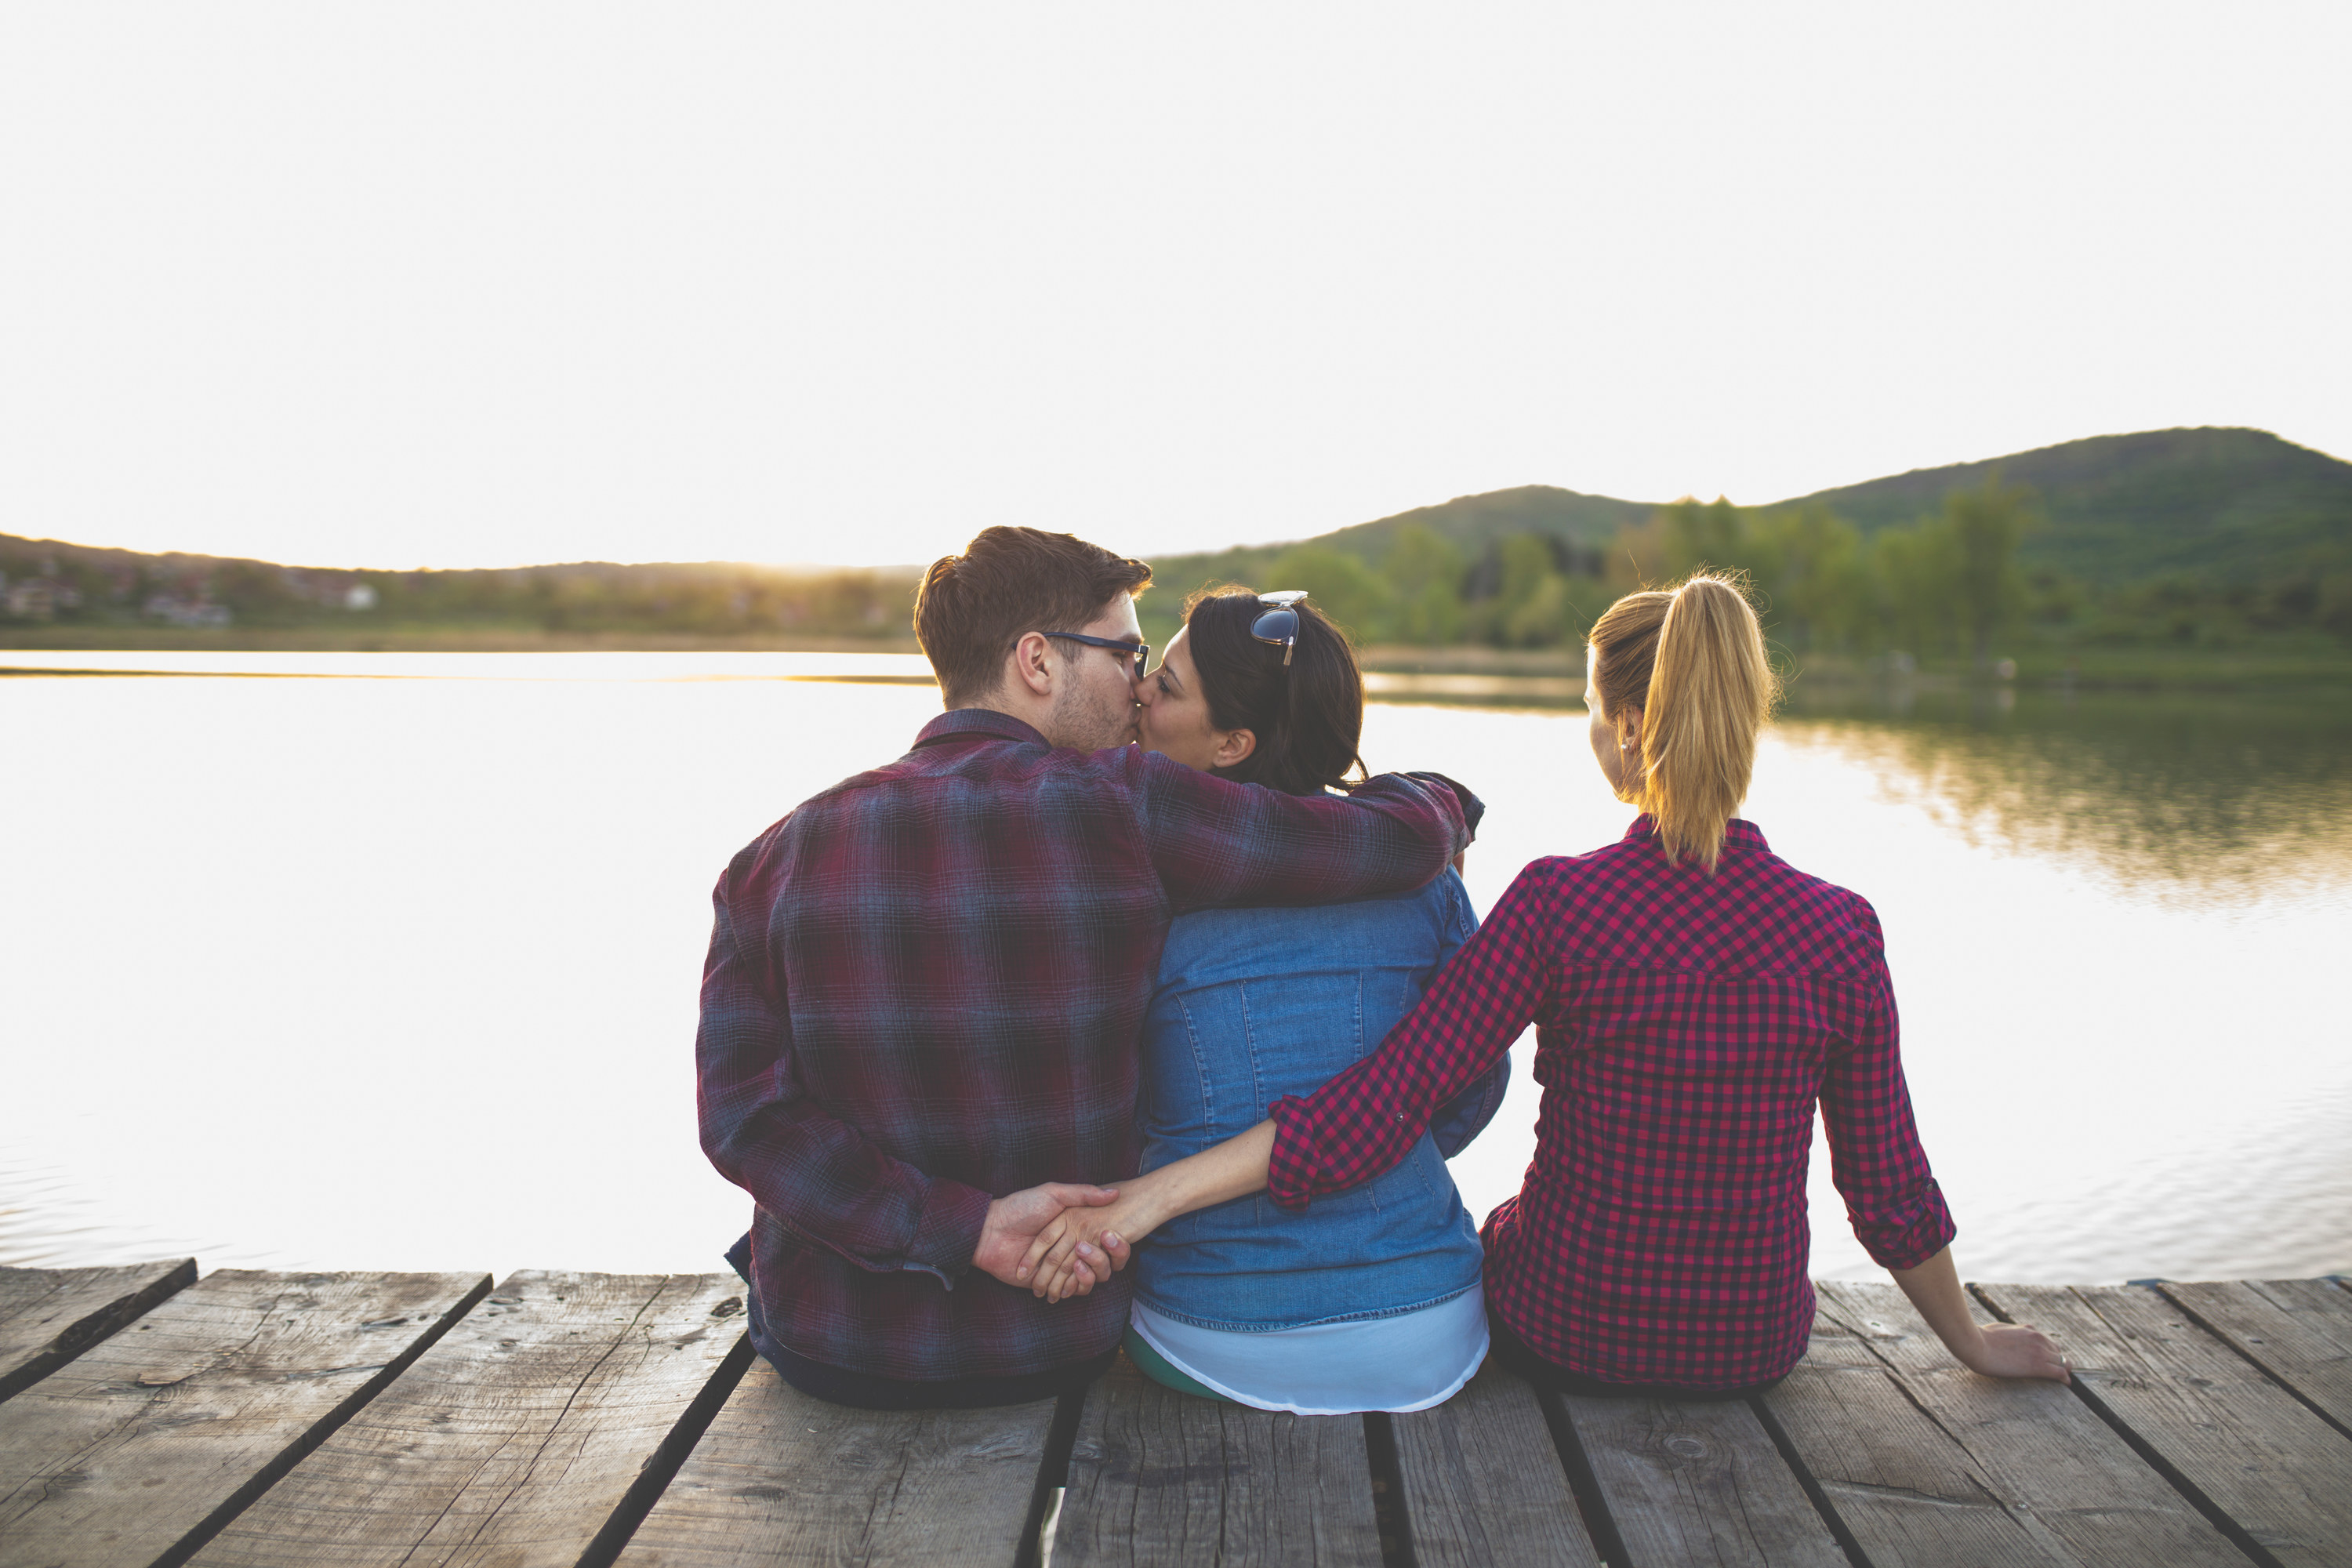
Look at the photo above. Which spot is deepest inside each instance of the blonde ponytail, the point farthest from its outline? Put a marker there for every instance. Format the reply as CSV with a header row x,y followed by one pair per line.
x,y
1692,660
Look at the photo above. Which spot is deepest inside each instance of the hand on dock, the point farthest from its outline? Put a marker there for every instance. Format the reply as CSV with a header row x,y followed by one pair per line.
x,y
2017,1349
1994,1349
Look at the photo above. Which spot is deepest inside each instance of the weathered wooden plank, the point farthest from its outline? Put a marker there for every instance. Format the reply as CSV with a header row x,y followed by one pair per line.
x,y
1907,1489
1698,1482
49,1315
515,1438
1926,1462
1158,1477
780,1479
2279,1472
1483,1483
140,1450
2298,1330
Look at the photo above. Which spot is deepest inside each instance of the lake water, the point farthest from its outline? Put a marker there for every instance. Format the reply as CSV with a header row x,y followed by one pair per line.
x,y
394,966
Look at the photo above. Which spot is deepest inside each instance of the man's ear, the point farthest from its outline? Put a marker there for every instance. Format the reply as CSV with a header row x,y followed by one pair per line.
x,y
1031,663
1234,748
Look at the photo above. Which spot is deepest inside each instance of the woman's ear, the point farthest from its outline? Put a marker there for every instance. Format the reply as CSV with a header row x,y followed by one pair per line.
x,y
1629,730
1233,747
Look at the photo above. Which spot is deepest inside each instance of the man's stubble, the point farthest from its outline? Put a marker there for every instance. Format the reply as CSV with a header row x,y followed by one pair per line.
x,y
1088,716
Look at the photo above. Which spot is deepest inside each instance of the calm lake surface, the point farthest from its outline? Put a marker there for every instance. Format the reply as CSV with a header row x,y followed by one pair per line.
x,y
394,965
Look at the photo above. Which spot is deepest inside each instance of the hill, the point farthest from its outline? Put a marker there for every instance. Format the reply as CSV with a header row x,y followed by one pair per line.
x,y
2228,506
1475,521
2195,536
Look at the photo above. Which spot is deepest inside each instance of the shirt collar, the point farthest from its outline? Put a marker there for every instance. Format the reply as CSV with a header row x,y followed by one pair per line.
x,y
976,723
1736,834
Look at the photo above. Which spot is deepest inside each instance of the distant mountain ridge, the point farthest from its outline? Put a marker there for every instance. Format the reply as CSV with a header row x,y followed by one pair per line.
x,y
2235,505
2226,504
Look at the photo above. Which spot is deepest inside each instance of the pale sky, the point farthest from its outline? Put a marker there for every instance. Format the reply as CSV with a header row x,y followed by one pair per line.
x,y
488,284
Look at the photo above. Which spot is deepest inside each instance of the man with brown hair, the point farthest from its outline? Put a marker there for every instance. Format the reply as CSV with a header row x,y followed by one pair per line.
x,y
926,986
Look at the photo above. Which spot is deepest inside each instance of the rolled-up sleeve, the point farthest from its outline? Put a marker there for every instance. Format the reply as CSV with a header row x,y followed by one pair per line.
x,y
1368,1118
763,1132
1896,1209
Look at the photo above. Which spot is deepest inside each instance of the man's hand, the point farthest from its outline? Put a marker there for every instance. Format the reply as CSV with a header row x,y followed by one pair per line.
x,y
1014,1220
1067,1254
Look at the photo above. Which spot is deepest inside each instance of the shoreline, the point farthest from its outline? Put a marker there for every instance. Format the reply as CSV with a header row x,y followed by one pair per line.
x,y
1558,671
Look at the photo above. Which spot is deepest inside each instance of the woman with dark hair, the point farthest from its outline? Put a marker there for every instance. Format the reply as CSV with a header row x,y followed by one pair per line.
x,y
1371,1301
1696,997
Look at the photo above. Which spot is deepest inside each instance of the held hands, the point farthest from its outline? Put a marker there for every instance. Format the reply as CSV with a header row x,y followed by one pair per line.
x,y
1061,1260
1058,1260
2016,1350
1017,1219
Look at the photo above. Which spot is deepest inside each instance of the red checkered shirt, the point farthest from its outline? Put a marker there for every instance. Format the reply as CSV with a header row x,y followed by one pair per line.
x,y
927,986
1686,1023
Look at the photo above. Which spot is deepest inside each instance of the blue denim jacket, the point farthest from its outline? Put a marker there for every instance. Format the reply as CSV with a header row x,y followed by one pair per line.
x,y
1256,1004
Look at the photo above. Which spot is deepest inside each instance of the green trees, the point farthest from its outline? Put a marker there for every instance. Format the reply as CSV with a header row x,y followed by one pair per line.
x,y
1519,597
1911,570
1424,571
1928,588
1986,525
1696,536
1526,590
1818,574
1343,587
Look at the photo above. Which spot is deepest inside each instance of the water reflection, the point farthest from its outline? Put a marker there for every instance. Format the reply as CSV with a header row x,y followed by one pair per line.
x,y
387,973
2240,798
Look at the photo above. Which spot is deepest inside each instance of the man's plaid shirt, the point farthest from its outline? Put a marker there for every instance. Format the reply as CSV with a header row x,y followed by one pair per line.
x,y
927,986
1685,1025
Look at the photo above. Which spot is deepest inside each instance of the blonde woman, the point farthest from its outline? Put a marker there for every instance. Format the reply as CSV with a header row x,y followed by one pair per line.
x,y
1695,995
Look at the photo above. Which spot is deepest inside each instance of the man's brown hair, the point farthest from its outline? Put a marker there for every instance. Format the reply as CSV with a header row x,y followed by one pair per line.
x,y
1009,582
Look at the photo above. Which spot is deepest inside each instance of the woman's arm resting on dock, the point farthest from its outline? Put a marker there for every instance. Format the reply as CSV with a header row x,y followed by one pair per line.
x,y
1058,1260
1996,1350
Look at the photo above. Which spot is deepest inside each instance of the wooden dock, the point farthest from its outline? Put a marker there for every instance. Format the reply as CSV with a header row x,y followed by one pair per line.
x,y
151,1417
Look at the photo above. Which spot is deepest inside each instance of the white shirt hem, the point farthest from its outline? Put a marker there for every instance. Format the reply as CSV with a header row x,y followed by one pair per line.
x,y
1141,1321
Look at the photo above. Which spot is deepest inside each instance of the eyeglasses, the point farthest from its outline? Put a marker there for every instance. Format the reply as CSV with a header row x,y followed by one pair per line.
x,y
1141,650
1279,623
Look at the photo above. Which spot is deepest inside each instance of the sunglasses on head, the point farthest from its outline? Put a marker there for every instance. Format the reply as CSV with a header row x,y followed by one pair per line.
x,y
1278,623
1141,650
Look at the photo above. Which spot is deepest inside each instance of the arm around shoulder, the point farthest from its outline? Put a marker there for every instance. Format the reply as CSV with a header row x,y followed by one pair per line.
x,y
1215,843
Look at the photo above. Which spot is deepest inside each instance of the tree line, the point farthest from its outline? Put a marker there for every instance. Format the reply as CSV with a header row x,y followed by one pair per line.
x,y
44,581
1948,586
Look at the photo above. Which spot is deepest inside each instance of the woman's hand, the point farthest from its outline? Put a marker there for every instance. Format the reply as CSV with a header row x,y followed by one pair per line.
x,y
1995,1349
1231,1169
2011,1350
1067,1255
1014,1220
